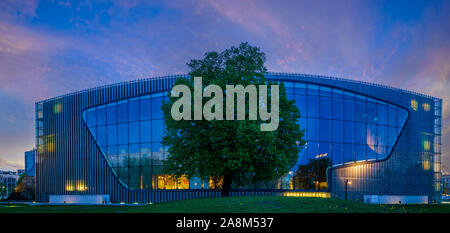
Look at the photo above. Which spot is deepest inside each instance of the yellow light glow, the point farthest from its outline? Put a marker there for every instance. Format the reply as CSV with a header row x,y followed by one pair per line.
x,y
81,186
171,182
321,155
307,194
414,105
426,145
426,107
426,165
50,146
57,108
69,186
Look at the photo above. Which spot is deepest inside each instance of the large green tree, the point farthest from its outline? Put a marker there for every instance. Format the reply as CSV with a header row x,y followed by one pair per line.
x,y
236,151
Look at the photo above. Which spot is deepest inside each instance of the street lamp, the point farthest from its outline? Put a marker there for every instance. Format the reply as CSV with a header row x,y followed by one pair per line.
x,y
347,182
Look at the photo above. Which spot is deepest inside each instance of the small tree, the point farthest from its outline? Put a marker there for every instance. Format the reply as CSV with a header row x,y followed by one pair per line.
x,y
236,151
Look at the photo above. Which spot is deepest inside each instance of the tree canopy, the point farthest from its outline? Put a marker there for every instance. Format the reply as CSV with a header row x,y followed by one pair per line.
x,y
236,151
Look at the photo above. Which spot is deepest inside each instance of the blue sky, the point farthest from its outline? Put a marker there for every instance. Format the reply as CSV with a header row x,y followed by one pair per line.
x,y
49,48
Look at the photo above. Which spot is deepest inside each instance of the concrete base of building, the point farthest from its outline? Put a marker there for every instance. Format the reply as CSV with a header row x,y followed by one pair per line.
x,y
79,199
395,199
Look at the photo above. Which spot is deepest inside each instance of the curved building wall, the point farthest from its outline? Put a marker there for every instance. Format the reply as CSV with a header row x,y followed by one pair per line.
x,y
108,140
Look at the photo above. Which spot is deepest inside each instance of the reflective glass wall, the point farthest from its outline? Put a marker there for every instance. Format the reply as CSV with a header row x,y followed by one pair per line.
x,y
129,134
344,126
341,125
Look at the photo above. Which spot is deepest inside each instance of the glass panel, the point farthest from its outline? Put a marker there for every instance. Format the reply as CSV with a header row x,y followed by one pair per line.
x,y
371,153
146,154
313,129
392,136
112,154
134,176
123,156
324,150
325,130
338,93
313,106
338,109
112,134
392,115
133,110
325,91
134,155
156,108
382,152
349,132
360,152
338,130
146,131
91,117
325,107
371,134
302,122
349,153
145,109
112,113
300,89
157,130
361,114
337,154
101,135
302,157
289,87
134,132
361,133
122,133
101,115
382,135
402,116
122,111
372,112
382,113
157,153
313,89
349,110
301,104
313,149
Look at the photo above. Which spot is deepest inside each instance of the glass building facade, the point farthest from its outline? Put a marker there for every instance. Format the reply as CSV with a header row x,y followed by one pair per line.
x,y
108,139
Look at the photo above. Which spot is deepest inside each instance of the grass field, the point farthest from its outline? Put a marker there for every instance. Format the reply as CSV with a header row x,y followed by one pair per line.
x,y
237,205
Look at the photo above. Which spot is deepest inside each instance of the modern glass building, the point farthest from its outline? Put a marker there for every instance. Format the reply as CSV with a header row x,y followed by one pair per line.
x,y
30,163
107,140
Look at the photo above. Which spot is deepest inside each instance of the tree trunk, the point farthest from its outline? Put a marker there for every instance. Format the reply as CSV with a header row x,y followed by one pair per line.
x,y
226,186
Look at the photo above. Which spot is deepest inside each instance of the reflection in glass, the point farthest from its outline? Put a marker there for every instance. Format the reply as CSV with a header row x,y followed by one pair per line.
x,y
341,125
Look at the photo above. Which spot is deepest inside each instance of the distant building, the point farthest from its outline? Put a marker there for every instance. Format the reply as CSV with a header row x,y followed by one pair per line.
x,y
30,158
20,172
8,181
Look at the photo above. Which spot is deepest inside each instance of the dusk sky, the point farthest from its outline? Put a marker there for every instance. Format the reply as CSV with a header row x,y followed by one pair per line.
x,y
50,48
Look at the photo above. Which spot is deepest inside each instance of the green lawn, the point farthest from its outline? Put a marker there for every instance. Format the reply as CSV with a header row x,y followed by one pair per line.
x,y
238,205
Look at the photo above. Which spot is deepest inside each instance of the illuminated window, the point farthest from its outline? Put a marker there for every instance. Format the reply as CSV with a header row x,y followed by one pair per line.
x,y
81,186
414,105
57,108
426,145
426,165
50,144
426,107
70,186
171,182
